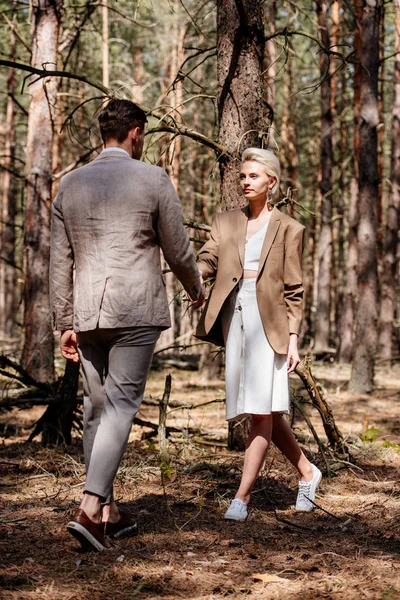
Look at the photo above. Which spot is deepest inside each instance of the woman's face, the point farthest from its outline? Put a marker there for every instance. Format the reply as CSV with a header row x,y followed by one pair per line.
x,y
255,181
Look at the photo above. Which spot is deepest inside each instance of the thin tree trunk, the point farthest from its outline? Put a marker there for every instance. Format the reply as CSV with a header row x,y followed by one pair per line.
x,y
105,45
8,271
270,72
362,376
341,212
334,41
389,280
37,355
322,321
240,53
350,303
137,89
381,140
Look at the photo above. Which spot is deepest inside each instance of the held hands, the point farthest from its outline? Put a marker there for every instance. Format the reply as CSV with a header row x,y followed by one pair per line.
x,y
69,345
293,357
198,303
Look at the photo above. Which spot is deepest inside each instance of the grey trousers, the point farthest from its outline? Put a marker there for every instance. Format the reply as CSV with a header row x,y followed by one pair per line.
x,y
115,365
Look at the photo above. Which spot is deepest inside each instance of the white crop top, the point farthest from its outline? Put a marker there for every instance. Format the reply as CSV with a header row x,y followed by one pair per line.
x,y
252,250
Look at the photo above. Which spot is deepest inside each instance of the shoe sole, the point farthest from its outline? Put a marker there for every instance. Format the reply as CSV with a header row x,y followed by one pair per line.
x,y
313,492
235,519
84,536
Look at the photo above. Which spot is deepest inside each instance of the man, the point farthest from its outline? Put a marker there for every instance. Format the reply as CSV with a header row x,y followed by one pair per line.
x,y
109,221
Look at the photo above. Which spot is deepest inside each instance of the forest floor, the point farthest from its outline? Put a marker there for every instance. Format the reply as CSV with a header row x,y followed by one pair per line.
x,y
348,548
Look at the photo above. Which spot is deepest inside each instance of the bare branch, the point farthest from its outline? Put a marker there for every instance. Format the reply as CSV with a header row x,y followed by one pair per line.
x,y
41,73
15,30
190,133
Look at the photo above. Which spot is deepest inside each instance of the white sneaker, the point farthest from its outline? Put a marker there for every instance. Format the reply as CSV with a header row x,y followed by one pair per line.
x,y
237,511
307,491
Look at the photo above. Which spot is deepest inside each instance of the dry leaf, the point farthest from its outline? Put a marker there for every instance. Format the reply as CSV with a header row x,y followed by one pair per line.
x,y
268,578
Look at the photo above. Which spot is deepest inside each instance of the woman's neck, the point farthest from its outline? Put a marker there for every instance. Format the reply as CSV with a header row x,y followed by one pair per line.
x,y
259,208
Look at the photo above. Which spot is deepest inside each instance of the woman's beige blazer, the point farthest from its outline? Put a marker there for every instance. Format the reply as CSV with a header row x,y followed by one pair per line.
x,y
279,279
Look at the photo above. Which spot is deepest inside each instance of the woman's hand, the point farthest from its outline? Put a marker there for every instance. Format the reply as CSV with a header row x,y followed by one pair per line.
x,y
293,357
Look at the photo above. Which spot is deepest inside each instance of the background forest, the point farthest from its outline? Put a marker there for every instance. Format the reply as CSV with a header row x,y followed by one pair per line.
x,y
319,83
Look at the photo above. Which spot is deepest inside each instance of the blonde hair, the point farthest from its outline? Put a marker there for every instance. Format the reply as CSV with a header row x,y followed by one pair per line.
x,y
269,161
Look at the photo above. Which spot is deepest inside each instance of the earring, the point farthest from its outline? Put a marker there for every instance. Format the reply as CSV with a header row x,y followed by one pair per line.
x,y
270,198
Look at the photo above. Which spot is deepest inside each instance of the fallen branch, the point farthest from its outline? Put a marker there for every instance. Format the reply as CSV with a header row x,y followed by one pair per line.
x,y
333,434
321,446
23,376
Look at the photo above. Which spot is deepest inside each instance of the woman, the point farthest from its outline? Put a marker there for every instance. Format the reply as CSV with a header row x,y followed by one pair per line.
x,y
255,308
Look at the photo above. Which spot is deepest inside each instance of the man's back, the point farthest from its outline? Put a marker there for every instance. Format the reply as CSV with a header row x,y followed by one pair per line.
x,y
115,213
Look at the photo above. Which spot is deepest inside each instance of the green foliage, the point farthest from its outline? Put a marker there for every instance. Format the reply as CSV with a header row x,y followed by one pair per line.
x,y
371,434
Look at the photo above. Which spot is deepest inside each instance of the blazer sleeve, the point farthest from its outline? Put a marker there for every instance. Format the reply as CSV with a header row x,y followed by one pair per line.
x,y
207,258
173,238
293,277
61,269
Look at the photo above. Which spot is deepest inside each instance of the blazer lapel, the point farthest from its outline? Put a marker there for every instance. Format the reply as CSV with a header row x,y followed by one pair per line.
x,y
272,229
241,228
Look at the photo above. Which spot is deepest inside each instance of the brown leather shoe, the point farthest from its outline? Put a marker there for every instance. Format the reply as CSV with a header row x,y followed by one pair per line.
x,y
87,532
125,527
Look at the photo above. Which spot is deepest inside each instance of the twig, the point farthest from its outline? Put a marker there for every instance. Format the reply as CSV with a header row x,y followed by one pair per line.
x,y
281,520
164,455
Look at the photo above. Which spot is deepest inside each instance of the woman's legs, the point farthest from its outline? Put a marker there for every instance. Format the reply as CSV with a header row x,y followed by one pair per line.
x,y
257,444
283,438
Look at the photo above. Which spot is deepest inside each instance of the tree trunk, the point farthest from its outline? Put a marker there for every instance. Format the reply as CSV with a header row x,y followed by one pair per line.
x,y
322,333
362,375
270,72
389,280
240,52
347,319
8,268
105,45
37,356
341,213
57,421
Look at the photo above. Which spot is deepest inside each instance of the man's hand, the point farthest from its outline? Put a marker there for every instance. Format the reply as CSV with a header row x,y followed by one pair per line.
x,y
69,345
198,303
293,357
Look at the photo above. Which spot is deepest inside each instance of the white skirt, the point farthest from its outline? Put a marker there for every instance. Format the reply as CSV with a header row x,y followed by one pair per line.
x,y
256,376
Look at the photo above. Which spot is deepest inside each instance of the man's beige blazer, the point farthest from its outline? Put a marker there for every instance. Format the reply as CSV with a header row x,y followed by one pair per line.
x,y
279,279
109,221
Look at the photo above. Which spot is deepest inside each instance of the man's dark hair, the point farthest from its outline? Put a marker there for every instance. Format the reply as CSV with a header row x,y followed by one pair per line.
x,y
118,117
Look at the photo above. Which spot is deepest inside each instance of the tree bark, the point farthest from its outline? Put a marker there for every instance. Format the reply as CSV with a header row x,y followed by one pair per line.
x,y
37,355
389,280
270,72
240,53
105,45
8,270
350,302
56,422
322,333
341,213
365,346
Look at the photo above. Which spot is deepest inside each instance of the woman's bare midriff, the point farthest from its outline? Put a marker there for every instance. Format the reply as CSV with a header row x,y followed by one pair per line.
x,y
247,274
